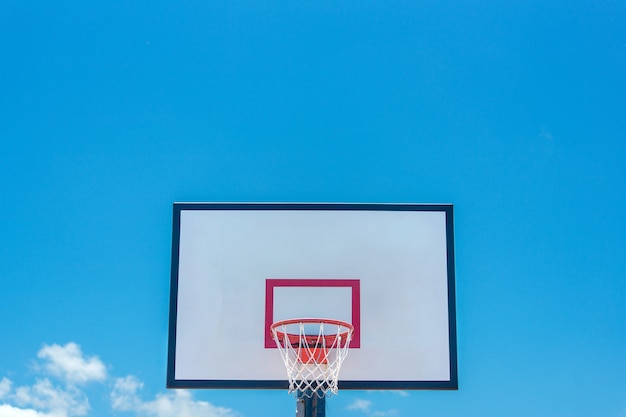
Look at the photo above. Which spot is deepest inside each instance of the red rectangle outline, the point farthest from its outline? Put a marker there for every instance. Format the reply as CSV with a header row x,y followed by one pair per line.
x,y
354,284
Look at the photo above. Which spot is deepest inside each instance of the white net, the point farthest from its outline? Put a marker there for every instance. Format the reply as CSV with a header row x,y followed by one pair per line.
x,y
312,351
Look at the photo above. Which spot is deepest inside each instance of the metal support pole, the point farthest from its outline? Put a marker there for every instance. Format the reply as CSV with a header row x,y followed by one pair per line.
x,y
310,405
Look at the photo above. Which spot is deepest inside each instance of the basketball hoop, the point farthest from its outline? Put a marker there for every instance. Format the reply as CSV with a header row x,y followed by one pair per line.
x,y
313,351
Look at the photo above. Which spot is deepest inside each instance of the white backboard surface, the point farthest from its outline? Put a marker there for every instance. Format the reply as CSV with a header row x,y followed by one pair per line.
x,y
388,269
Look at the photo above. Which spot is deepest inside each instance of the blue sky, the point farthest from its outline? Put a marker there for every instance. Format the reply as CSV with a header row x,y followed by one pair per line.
x,y
513,111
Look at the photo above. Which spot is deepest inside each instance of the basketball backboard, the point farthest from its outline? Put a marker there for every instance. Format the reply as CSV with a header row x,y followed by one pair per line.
x,y
387,269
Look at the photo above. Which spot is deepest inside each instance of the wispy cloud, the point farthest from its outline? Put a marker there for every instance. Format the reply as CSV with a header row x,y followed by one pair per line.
x,y
545,135
388,413
124,395
360,405
5,387
179,403
399,392
366,407
57,400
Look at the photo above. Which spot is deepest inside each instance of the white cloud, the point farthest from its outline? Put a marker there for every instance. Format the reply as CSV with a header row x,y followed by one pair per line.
x,y
67,362
388,413
181,404
45,398
365,406
60,393
178,403
9,411
44,395
124,395
360,405
5,387
399,392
